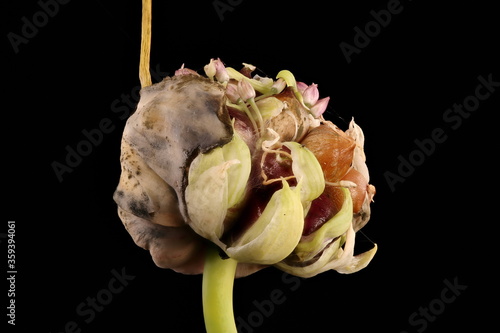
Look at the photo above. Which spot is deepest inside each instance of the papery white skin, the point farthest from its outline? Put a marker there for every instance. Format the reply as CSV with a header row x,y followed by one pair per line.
x,y
359,164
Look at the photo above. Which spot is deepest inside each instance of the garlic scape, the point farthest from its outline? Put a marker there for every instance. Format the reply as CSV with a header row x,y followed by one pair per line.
x,y
246,164
228,173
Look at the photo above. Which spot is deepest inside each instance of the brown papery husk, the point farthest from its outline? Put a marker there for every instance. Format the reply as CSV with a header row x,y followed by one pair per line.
x,y
358,192
333,149
292,123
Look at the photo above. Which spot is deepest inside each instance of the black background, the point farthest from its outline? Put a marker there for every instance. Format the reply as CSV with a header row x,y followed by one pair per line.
x,y
438,225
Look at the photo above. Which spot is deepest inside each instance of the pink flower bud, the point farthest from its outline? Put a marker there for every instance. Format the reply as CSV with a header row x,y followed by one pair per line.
x,y
220,71
232,92
311,95
246,90
185,71
301,86
320,107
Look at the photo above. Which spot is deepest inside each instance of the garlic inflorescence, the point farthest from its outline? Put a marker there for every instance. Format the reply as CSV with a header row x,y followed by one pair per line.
x,y
250,164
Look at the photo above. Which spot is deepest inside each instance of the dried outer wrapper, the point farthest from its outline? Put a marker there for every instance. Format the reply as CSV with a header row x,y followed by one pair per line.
x,y
293,123
170,247
359,164
143,193
166,132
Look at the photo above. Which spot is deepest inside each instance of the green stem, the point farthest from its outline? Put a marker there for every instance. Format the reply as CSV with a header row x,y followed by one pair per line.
x,y
259,115
250,116
217,290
